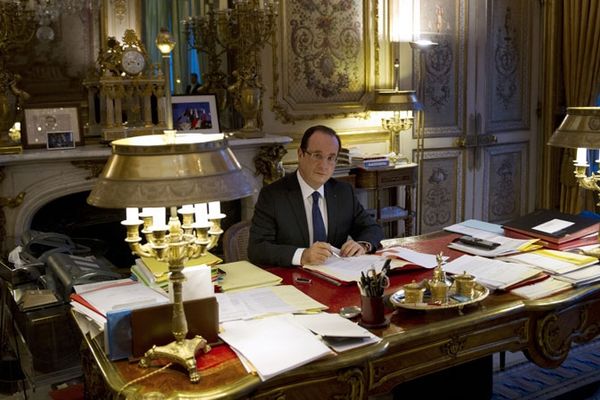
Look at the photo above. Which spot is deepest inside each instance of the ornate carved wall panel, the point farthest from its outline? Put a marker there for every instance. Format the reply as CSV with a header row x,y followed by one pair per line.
x,y
323,58
504,179
444,67
441,191
509,65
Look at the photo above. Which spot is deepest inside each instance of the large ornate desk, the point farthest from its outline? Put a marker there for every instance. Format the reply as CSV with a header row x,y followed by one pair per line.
x,y
415,344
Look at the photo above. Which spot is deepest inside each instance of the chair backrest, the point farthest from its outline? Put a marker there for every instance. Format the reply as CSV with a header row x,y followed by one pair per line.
x,y
235,242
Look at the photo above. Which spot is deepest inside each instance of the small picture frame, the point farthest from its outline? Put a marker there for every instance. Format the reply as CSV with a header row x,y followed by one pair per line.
x,y
60,140
52,128
195,114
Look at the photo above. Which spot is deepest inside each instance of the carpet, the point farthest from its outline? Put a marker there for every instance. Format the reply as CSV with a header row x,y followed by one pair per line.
x,y
527,381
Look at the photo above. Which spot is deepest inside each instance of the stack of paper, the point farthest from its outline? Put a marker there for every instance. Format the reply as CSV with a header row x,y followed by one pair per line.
x,y
541,289
347,269
553,261
494,274
412,257
243,275
156,273
273,345
106,296
582,276
258,302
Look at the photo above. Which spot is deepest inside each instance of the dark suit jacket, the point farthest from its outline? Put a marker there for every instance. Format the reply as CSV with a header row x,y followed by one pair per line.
x,y
279,224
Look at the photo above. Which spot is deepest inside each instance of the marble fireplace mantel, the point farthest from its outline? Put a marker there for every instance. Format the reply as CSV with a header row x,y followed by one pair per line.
x,y
30,180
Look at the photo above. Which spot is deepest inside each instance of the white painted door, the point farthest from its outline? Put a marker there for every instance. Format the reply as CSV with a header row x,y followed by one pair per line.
x,y
479,88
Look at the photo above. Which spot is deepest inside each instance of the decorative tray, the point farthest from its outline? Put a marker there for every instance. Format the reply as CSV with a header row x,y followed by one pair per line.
x,y
480,292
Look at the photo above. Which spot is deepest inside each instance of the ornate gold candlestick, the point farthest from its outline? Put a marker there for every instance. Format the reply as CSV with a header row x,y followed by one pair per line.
x,y
244,30
159,170
16,30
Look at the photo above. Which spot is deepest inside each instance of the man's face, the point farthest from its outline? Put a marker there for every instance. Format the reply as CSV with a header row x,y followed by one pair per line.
x,y
193,79
317,163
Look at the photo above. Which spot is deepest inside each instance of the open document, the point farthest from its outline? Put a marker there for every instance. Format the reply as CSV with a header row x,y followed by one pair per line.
x,y
276,344
494,274
337,332
347,269
259,302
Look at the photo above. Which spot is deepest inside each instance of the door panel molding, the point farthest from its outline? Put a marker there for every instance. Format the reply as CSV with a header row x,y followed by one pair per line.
x,y
505,180
444,88
441,189
508,66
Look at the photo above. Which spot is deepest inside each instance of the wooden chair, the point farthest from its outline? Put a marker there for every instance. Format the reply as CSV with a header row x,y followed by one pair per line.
x,y
235,242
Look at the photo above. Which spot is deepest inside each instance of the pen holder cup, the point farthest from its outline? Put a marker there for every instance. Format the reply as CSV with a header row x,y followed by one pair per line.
x,y
372,312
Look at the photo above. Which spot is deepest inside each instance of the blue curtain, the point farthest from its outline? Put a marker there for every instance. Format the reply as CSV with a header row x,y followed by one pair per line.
x,y
170,14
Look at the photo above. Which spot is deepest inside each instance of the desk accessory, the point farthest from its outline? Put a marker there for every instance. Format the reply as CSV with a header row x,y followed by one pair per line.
x,y
371,287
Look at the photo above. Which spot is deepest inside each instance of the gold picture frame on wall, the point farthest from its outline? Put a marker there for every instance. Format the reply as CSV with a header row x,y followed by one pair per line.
x,y
323,59
52,128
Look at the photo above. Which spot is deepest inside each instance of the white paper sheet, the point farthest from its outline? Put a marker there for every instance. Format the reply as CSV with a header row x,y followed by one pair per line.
x,y
494,274
277,344
258,302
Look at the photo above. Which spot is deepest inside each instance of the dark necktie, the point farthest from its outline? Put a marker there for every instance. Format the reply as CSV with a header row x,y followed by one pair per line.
x,y
319,234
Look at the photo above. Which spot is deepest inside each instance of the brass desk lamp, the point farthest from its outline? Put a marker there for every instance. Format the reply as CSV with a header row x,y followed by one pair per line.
x,y
581,130
160,171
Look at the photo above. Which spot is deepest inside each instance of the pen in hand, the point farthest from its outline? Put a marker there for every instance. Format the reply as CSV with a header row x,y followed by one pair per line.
x,y
335,252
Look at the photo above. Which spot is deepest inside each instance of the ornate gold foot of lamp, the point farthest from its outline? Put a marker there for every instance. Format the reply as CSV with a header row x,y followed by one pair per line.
x,y
581,130
157,171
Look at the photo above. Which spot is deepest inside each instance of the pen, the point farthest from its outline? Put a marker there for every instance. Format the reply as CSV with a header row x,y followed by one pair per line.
x,y
335,252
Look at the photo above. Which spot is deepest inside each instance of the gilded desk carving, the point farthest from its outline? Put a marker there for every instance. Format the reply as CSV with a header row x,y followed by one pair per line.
x,y
453,346
555,329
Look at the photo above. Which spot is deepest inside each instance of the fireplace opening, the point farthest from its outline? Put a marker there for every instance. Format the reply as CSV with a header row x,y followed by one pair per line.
x,y
101,228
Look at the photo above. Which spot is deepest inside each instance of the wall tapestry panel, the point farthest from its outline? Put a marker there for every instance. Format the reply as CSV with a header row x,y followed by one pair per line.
x,y
444,67
505,180
441,193
322,58
509,65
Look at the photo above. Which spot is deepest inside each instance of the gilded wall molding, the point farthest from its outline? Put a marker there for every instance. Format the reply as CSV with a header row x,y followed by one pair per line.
x,y
323,61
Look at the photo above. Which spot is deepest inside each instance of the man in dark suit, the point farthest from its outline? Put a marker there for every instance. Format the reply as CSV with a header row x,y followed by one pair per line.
x,y
193,87
298,218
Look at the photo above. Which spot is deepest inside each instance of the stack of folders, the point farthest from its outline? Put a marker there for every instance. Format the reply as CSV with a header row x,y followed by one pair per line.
x,y
558,231
94,306
155,273
492,273
566,270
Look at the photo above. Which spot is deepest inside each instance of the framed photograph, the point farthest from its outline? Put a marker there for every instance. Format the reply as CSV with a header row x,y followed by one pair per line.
x,y
52,128
60,140
196,113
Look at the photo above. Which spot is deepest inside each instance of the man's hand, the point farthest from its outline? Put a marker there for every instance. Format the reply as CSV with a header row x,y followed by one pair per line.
x,y
316,254
351,249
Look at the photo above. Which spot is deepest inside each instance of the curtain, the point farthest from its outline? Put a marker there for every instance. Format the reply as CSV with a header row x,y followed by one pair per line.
x,y
170,14
581,73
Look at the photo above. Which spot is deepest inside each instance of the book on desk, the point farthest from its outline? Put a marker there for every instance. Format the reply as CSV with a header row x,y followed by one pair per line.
x,y
558,230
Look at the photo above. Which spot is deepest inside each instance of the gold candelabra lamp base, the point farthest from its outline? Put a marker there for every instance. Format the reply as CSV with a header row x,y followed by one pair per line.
x,y
590,183
395,125
176,243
